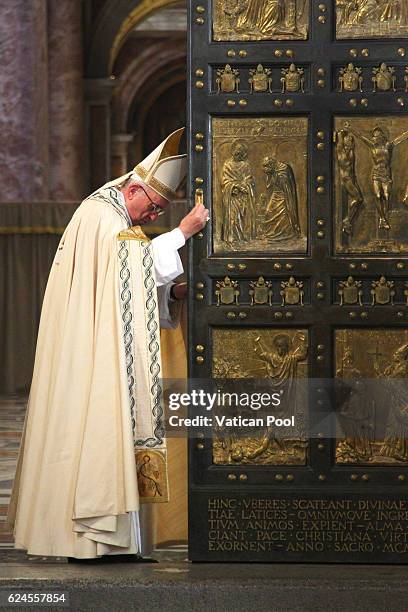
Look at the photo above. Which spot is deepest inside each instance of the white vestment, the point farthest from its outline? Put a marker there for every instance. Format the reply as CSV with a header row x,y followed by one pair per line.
x,y
75,492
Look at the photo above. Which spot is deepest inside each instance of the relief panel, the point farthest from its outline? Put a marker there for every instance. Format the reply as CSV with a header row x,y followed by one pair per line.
x,y
278,293
371,368
372,19
260,19
260,184
260,78
370,78
371,184
280,356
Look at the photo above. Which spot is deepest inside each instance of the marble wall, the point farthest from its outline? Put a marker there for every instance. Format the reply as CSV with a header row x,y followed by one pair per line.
x,y
24,100
66,101
41,100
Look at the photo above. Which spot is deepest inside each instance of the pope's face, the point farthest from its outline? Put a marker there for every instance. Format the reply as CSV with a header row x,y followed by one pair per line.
x,y
144,204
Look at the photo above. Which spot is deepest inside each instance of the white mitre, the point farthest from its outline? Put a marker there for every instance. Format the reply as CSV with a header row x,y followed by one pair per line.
x,y
163,170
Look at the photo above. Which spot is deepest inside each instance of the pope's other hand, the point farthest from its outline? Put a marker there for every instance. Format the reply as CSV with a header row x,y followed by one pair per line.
x,y
194,221
180,291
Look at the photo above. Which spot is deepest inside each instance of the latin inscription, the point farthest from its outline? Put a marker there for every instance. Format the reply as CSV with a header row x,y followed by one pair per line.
x,y
307,525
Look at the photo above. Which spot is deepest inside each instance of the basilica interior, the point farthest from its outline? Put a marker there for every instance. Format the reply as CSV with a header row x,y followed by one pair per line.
x,y
88,89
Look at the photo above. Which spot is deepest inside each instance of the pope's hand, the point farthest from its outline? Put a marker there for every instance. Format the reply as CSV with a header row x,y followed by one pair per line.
x,y
194,221
180,291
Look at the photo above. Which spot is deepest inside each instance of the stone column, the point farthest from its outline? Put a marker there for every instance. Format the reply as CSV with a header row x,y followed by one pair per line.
x,y
66,100
23,100
98,94
119,156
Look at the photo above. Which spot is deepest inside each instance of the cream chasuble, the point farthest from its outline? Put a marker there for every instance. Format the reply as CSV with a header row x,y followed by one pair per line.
x,y
95,400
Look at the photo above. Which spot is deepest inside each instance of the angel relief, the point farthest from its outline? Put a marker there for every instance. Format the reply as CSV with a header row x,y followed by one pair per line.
x,y
260,198
281,207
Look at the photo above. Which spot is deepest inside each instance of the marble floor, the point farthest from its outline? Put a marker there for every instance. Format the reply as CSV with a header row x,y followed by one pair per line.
x,y
173,584
12,412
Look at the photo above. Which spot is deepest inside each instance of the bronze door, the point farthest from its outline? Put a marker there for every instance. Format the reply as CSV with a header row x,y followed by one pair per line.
x,y
298,140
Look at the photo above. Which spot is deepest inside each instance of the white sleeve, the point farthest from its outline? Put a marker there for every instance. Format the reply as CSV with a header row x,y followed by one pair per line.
x,y
169,310
167,262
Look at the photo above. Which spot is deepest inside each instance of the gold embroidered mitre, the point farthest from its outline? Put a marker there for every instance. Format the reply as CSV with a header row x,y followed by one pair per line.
x,y
163,169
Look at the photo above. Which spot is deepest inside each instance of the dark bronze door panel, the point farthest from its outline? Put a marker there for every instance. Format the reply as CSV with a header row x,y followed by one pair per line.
x,y
298,140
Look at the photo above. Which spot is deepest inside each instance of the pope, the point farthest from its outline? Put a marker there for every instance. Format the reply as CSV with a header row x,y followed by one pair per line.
x,y
93,445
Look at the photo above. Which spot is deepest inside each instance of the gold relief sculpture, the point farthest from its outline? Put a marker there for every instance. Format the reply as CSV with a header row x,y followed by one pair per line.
x,y
353,412
382,292
260,19
238,197
259,184
292,79
260,292
281,204
260,79
350,292
346,161
350,78
292,292
384,78
372,418
372,19
406,293
280,357
371,184
227,291
227,80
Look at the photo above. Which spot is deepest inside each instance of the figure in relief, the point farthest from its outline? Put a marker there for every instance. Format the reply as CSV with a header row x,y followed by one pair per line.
x,y
279,358
391,9
281,362
360,12
344,9
261,19
281,204
366,10
265,16
238,197
346,160
396,439
354,414
232,9
381,150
